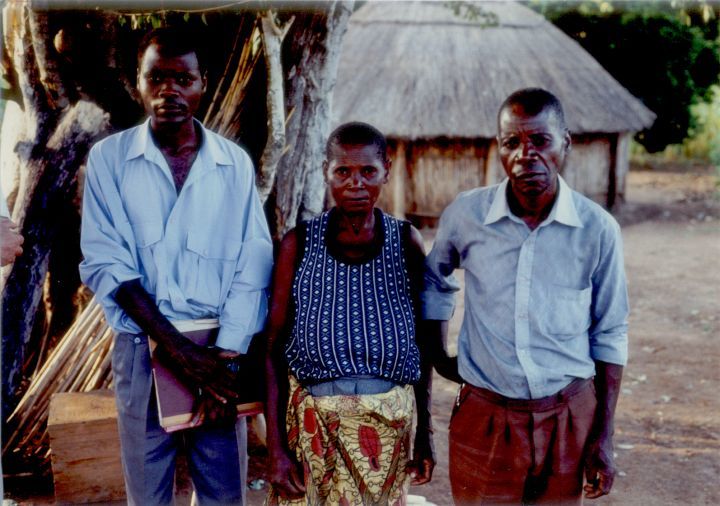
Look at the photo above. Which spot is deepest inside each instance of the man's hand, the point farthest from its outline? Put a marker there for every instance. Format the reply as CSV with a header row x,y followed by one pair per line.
x,y
421,467
10,241
600,467
202,368
210,408
286,475
599,461
447,367
436,336
211,412
197,366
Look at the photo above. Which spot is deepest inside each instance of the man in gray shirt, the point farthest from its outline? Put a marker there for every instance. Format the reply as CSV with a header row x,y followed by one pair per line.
x,y
544,336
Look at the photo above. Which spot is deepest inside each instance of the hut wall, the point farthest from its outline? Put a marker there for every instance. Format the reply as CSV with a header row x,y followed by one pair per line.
x,y
440,169
394,198
494,172
622,163
587,168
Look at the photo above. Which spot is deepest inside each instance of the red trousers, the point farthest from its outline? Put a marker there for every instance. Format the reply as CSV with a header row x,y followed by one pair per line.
x,y
505,451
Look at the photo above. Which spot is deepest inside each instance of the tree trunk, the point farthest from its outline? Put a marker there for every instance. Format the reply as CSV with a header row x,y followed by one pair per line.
x,y
22,287
313,54
50,141
57,164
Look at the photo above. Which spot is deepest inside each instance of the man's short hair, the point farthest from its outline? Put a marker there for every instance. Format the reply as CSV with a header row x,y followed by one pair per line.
x,y
533,101
174,41
357,133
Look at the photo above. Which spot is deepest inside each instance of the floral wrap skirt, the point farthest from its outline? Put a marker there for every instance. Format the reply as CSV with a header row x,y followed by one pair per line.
x,y
354,448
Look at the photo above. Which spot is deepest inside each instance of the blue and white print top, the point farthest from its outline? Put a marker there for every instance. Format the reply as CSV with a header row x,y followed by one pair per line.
x,y
353,319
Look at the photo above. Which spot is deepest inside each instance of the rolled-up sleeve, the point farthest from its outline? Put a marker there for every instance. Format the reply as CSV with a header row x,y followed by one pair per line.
x,y
245,309
106,239
438,297
610,306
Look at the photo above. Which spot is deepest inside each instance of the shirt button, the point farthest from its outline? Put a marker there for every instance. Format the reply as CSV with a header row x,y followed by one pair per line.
x,y
137,340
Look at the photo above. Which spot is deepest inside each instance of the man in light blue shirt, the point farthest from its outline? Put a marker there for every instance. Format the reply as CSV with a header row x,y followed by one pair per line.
x,y
173,230
545,311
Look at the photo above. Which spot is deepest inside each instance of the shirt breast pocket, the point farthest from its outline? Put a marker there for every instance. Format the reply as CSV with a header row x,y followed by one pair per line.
x,y
222,248
147,236
568,311
147,233
209,267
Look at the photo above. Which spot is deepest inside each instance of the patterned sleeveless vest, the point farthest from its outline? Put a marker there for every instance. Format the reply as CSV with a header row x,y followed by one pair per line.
x,y
353,319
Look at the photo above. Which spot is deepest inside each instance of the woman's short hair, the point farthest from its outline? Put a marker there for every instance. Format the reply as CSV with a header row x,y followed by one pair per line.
x,y
357,133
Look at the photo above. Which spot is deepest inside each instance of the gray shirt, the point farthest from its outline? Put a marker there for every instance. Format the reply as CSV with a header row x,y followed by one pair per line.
x,y
540,306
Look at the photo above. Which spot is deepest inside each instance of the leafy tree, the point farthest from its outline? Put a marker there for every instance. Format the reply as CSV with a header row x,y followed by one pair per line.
x,y
665,54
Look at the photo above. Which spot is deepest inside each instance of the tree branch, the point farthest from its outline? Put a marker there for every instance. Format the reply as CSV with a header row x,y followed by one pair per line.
x,y
40,117
272,37
8,69
50,77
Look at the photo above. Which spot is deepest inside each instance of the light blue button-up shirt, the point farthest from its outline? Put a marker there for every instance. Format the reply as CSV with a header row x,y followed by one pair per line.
x,y
540,305
203,253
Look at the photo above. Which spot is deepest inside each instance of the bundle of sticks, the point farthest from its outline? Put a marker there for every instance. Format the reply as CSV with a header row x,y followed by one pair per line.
x,y
79,363
223,113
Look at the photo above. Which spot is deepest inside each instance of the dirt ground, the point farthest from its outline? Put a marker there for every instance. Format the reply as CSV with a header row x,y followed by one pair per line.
x,y
668,421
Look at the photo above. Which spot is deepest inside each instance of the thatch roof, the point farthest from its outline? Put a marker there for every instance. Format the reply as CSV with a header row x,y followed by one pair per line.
x,y
418,70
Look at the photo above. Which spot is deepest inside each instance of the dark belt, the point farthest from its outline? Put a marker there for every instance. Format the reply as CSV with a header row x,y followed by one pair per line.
x,y
542,404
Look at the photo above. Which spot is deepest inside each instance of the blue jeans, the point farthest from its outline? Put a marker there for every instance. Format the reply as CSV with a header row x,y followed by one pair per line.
x,y
217,456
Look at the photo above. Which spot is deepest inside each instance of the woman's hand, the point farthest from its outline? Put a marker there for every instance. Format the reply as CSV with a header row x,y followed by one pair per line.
x,y
423,462
286,475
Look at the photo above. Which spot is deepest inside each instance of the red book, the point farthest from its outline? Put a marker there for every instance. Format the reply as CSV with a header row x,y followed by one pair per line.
x,y
175,400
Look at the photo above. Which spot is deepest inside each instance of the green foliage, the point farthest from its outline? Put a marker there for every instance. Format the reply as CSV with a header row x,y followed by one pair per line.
x,y
665,54
704,140
473,12
143,21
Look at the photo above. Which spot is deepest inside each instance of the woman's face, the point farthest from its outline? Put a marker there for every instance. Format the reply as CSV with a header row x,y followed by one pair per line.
x,y
355,175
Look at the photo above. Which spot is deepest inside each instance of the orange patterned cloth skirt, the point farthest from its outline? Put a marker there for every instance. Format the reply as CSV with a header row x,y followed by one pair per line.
x,y
354,448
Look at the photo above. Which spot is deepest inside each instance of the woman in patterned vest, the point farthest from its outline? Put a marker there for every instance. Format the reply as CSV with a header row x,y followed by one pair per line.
x,y
343,364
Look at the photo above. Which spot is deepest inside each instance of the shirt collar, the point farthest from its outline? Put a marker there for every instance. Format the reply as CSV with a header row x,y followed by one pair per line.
x,y
142,144
499,208
563,211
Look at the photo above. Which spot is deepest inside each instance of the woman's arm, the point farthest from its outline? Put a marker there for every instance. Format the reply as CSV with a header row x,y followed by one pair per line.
x,y
423,462
286,473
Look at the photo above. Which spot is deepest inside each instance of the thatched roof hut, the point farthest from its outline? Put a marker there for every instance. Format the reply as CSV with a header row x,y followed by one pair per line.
x,y
432,81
